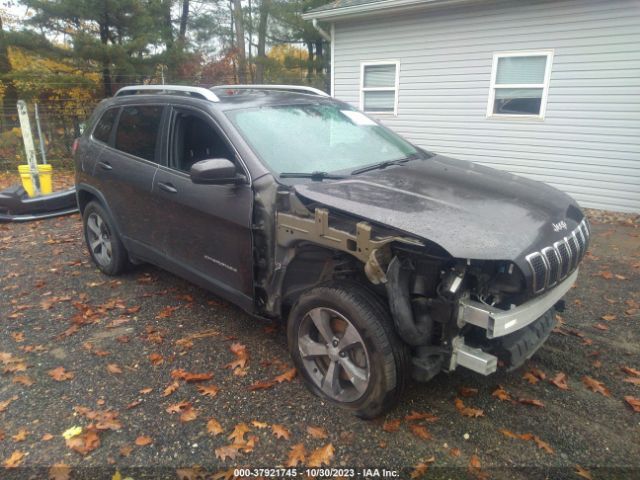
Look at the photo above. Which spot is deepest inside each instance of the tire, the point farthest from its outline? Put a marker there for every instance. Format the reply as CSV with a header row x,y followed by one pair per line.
x,y
102,240
365,366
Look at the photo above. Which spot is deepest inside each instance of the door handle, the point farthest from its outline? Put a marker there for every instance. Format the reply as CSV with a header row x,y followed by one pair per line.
x,y
167,187
105,165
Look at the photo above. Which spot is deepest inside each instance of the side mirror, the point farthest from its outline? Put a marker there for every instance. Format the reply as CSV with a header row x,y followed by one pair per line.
x,y
215,171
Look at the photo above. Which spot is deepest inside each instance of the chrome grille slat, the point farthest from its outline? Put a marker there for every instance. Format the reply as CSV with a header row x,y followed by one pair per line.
x,y
554,263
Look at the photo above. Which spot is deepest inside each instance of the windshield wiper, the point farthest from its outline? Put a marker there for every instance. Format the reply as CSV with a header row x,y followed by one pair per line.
x,y
387,163
317,176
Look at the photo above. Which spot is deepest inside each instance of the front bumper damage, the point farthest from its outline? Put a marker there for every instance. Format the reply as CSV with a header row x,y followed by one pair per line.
x,y
505,325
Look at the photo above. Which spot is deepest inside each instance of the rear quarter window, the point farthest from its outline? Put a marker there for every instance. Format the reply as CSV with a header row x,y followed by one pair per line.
x,y
138,131
103,129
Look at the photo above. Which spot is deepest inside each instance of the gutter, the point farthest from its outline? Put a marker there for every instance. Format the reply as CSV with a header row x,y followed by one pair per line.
x,y
378,7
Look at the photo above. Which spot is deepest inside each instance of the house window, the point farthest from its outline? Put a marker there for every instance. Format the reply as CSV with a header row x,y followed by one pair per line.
x,y
379,87
519,84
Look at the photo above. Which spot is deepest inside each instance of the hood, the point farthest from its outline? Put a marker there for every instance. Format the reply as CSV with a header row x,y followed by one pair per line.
x,y
469,210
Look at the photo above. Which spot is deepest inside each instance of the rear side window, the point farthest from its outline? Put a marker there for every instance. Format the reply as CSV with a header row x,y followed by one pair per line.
x,y
102,132
138,131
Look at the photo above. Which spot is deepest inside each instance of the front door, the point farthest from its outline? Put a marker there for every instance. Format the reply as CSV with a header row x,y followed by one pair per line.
x,y
206,228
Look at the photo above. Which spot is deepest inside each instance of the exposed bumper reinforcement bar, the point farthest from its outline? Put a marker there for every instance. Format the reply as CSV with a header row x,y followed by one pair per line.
x,y
472,358
498,322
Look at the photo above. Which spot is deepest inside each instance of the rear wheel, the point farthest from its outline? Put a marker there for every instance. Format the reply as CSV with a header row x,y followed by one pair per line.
x,y
342,341
104,244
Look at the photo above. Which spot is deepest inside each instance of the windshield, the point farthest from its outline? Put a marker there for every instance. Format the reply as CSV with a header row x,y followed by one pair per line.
x,y
317,138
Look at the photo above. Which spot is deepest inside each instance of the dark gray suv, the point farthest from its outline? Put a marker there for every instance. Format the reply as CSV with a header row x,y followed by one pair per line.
x,y
388,261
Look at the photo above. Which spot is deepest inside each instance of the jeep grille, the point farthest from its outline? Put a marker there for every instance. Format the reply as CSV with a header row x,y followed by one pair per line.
x,y
552,264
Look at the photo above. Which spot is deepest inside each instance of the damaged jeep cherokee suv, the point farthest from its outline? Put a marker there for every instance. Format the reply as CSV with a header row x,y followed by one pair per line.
x,y
387,261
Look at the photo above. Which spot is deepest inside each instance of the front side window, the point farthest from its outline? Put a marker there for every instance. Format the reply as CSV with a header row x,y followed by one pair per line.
x,y
519,84
137,132
195,139
379,87
317,138
102,132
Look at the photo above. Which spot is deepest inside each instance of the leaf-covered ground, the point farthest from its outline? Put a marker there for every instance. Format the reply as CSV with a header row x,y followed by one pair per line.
x,y
147,376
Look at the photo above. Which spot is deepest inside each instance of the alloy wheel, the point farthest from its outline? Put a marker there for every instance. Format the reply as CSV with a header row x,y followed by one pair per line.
x,y
99,239
334,354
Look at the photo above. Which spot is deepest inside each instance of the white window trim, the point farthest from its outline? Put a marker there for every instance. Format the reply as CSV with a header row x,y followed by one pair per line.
x,y
395,88
544,86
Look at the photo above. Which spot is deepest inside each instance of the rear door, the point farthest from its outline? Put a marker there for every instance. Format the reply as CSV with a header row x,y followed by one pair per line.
x,y
125,172
206,228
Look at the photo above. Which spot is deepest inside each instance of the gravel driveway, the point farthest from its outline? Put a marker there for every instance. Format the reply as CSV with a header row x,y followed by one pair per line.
x,y
151,377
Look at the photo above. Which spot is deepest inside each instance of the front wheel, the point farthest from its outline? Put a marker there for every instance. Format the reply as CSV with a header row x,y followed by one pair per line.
x,y
342,341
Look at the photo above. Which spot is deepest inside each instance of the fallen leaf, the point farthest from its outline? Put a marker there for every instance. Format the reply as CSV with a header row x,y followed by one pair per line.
x,y
156,359
46,437
166,312
321,456
420,470
531,401
21,436
239,431
560,381
85,442
633,402
631,371
114,368
581,472
281,432
468,392
133,404
528,437
23,380
60,374
143,440
259,425
71,432
420,431
286,376
317,432
608,317
413,416
126,450
501,394
208,390
178,407
391,425
242,357
228,451
632,380
607,275
213,427
262,385
468,411
529,377
601,326
170,389
296,456
188,414
14,460
59,471
596,386
542,444
146,391
455,452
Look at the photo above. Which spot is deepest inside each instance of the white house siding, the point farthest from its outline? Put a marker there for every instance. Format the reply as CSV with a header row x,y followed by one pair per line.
x,y
589,142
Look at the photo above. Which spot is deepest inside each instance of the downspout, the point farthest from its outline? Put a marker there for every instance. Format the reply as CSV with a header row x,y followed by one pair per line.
x,y
320,30
329,38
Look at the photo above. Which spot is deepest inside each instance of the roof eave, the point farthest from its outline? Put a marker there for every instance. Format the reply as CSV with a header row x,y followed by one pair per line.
x,y
377,7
